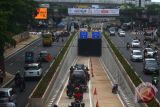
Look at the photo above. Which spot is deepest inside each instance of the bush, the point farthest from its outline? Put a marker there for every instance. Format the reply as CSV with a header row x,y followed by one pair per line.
x,y
47,78
135,79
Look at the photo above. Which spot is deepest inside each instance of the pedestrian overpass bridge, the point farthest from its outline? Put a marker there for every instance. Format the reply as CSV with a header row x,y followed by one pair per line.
x,y
85,1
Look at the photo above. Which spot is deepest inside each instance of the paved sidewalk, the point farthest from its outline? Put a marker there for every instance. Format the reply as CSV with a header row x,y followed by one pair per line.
x,y
102,88
8,52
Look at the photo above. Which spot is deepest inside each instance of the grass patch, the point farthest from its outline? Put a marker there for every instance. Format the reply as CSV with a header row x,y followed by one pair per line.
x,y
47,78
135,79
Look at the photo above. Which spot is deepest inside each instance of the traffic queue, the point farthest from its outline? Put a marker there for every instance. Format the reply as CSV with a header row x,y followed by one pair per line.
x,y
77,84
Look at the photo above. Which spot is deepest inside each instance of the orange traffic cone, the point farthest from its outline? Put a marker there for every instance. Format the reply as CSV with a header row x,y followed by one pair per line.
x,y
97,104
95,91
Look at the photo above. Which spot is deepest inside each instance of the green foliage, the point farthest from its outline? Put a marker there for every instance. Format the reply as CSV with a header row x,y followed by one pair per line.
x,y
131,73
47,78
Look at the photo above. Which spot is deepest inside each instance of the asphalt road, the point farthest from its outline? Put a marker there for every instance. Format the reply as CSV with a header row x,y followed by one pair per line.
x,y
120,43
16,63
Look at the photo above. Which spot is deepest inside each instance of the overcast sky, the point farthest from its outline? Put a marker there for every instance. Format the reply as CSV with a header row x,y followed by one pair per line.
x,y
155,0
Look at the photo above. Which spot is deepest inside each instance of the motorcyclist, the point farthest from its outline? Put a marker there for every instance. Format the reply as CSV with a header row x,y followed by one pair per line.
x,y
70,89
78,95
19,81
17,78
127,45
155,79
71,69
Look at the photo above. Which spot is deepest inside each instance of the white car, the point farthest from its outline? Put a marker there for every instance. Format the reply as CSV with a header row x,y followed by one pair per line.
x,y
135,43
149,52
121,32
33,70
136,55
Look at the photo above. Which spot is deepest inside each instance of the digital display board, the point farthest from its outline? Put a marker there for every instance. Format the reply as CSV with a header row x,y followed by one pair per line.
x,y
41,13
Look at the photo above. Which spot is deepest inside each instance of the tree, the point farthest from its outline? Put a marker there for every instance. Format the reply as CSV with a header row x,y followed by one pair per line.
x,y
14,14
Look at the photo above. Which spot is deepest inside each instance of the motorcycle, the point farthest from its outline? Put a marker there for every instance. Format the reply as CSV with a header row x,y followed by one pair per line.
x,y
127,46
77,104
155,80
115,88
69,94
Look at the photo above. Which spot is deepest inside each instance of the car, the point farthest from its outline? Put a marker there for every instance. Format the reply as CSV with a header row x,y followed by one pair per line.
x,y
7,95
44,56
29,57
33,70
7,104
112,31
136,55
121,33
149,53
151,66
135,43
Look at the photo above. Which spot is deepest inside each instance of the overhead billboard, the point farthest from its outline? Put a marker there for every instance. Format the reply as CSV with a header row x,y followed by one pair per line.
x,y
41,13
155,0
93,12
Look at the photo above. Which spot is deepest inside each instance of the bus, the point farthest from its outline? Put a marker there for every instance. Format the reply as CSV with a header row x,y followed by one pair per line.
x,y
47,39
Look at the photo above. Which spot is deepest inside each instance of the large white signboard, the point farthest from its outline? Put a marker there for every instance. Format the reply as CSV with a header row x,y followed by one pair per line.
x,y
93,12
155,0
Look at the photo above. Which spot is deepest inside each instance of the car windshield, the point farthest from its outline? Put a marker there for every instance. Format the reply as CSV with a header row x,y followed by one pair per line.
x,y
137,53
3,94
136,41
151,63
149,50
32,68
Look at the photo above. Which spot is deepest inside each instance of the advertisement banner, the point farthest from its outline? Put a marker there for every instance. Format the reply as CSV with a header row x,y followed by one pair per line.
x,y
93,12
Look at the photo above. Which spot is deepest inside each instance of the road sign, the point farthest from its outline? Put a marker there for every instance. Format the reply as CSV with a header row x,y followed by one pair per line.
x,y
96,35
83,35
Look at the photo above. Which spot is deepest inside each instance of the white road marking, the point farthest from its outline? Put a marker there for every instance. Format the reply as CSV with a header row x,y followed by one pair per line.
x,y
90,95
62,92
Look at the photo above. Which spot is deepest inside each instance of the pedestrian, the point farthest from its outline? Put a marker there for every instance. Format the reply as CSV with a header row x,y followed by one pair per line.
x,y
14,43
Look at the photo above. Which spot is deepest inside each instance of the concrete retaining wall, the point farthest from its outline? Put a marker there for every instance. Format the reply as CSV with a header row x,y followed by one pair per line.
x,y
18,38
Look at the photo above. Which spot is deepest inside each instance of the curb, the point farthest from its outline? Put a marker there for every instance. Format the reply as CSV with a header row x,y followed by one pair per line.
x,y
20,49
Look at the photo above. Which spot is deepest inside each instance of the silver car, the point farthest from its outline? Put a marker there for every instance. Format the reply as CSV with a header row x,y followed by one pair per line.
x,y
7,95
135,43
33,70
149,52
121,32
136,55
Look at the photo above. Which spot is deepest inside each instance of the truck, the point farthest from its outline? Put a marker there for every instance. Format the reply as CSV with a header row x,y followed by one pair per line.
x,y
47,39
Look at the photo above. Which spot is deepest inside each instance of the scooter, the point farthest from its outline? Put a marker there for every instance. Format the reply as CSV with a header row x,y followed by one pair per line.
x,y
77,104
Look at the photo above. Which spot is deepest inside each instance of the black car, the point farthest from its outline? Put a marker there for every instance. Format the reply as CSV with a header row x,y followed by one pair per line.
x,y
29,57
151,66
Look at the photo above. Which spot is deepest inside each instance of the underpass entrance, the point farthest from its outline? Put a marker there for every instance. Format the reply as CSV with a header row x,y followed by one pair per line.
x,y
89,44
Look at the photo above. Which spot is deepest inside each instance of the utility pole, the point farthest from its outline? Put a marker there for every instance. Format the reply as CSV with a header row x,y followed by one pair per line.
x,y
140,3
